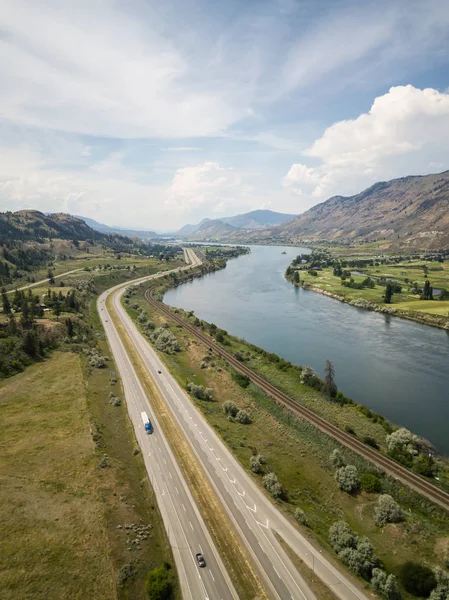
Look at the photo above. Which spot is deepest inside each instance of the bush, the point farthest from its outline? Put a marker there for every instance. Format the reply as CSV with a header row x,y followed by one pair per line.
x,y
361,559
370,483
243,417
242,380
271,484
199,391
387,511
230,408
385,586
255,464
417,579
402,440
336,459
348,478
300,516
158,585
369,441
165,341
309,377
341,536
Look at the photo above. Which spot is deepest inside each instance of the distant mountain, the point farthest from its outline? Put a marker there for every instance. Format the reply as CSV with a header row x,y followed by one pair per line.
x,y
213,229
33,225
410,211
145,235
256,219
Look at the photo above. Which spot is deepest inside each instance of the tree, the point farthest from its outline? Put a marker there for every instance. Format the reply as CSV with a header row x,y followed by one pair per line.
x,y
243,417
388,293
370,483
300,516
387,511
254,464
417,579
329,379
6,303
272,485
336,459
341,536
158,585
385,586
296,277
51,278
230,408
361,559
348,478
428,291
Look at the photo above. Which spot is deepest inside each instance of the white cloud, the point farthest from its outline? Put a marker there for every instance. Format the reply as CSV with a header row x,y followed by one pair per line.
x,y
405,132
208,186
182,149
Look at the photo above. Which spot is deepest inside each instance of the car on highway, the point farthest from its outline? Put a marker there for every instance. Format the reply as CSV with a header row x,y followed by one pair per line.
x,y
200,560
160,372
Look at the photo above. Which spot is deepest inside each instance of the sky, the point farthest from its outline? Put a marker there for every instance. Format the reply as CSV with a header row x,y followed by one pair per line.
x,y
155,114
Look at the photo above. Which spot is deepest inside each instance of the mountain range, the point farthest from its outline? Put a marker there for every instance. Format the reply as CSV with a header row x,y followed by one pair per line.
x,y
145,235
253,220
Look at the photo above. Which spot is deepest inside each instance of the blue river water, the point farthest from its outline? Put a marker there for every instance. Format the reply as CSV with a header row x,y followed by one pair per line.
x,y
396,367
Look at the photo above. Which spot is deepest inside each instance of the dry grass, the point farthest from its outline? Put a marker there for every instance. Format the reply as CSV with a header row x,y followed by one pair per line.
x,y
54,543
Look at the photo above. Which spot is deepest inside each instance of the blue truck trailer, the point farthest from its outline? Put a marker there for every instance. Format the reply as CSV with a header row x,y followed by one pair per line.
x,y
146,422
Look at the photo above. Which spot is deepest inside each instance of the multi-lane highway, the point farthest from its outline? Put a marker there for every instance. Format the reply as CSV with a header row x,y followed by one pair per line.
x,y
186,529
253,515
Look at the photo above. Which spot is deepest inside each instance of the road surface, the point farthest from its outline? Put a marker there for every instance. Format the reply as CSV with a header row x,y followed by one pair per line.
x,y
186,529
254,516
25,287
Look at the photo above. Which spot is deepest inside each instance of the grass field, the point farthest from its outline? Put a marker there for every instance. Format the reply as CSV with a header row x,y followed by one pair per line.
x,y
299,454
54,539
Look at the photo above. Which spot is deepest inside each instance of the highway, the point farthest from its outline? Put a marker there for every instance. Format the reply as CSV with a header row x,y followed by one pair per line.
x,y
186,529
25,287
253,515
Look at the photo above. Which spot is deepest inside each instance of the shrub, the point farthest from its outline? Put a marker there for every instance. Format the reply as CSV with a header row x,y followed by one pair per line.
x,y
385,586
361,559
348,478
300,516
255,464
387,511
143,317
164,340
271,484
336,459
402,440
369,441
417,579
309,377
370,483
158,585
341,536
199,391
230,408
243,417
242,380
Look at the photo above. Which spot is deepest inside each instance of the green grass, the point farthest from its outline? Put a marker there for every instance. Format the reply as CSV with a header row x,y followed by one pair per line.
x,y
299,453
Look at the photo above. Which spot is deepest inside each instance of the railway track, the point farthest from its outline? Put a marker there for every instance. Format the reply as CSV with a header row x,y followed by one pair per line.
x,y
400,473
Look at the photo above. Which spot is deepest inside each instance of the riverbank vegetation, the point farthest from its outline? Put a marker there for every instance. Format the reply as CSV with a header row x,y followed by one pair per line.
x,y
415,287
297,465
80,518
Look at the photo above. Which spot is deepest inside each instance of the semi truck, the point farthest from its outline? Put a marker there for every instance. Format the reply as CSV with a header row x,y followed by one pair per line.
x,y
146,422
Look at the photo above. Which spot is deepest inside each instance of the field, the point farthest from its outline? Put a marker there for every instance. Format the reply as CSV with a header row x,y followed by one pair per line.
x,y
52,518
299,454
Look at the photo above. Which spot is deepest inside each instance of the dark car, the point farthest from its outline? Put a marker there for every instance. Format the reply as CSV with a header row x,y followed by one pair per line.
x,y
200,560
160,372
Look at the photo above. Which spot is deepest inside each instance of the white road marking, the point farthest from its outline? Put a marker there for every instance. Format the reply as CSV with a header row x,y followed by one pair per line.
x,y
183,507
263,524
212,575
191,526
276,572
170,475
201,550
177,491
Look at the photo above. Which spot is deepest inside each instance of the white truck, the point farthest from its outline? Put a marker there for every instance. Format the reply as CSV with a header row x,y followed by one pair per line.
x,y
146,422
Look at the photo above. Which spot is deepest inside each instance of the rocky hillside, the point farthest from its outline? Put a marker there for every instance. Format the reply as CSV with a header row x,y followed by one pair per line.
x,y
213,230
407,212
36,226
257,219
102,228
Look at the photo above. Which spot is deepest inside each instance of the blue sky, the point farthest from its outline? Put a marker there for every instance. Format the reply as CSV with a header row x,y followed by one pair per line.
x,y
151,114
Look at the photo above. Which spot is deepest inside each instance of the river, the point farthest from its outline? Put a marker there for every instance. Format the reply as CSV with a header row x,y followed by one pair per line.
x,y
395,367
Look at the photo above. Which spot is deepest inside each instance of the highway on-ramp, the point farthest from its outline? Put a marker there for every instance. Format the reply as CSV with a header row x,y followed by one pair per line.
x,y
254,516
186,529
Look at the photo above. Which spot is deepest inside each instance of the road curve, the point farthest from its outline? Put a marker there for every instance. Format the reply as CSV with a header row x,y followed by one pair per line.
x,y
397,471
254,516
25,287
186,529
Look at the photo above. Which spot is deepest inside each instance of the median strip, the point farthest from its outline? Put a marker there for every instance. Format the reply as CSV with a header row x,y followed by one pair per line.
x,y
236,561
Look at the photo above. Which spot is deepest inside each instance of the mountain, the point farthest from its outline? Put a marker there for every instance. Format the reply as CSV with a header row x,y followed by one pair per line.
x,y
213,229
410,211
257,219
35,226
145,235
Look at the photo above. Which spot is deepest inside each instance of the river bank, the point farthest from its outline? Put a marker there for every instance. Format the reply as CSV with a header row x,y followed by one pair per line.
x,y
418,317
